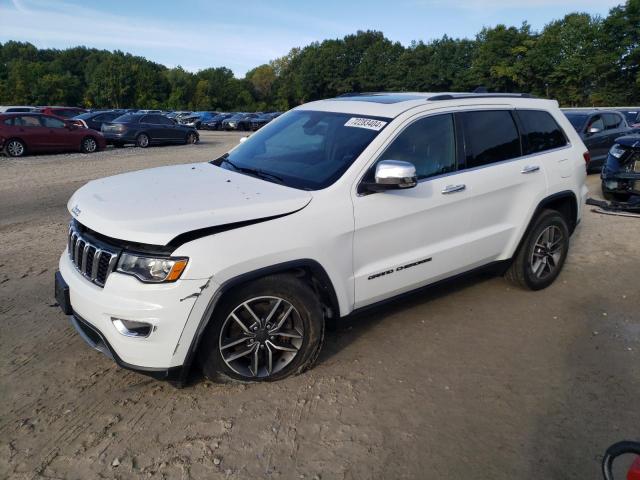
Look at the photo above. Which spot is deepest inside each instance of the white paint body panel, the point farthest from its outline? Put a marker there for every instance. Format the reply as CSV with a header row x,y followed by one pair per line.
x,y
352,237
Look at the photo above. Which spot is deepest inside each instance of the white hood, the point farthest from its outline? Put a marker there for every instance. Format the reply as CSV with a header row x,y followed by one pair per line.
x,y
156,205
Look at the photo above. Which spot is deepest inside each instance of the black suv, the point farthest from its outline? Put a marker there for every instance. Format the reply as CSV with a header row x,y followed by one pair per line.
x,y
598,130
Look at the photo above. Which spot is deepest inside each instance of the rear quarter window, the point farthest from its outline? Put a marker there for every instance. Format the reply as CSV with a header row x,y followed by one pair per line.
x,y
540,132
489,136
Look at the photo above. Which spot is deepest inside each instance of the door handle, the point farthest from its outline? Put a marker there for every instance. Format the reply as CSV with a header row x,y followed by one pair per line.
x,y
453,188
530,169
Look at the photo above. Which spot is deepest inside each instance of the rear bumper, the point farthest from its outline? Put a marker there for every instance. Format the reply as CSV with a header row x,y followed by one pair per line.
x,y
126,137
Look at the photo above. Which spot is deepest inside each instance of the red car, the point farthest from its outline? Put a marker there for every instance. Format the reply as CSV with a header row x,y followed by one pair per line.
x,y
22,133
62,112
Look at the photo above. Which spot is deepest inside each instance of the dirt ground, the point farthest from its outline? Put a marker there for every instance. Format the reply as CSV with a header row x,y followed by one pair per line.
x,y
475,379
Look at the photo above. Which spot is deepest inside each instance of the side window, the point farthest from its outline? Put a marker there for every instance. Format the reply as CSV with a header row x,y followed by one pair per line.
x,y
540,132
147,119
9,121
596,122
164,120
489,136
51,122
25,121
100,118
612,121
428,143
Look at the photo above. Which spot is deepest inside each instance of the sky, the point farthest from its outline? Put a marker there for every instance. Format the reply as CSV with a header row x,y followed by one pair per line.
x,y
241,35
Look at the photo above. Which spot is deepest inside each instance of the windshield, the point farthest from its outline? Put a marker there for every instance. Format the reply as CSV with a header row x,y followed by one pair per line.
x,y
577,120
305,149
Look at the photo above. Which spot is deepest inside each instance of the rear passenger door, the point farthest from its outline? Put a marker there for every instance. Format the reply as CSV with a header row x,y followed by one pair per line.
x,y
615,126
503,185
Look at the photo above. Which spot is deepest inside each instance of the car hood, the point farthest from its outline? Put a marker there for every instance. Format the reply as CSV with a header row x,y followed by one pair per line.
x,y
157,205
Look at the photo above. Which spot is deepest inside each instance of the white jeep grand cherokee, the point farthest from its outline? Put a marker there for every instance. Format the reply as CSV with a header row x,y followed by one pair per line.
x,y
335,206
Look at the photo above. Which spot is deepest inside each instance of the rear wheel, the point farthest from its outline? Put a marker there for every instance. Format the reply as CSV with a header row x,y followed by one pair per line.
x,y
191,138
15,148
542,254
88,145
264,331
142,140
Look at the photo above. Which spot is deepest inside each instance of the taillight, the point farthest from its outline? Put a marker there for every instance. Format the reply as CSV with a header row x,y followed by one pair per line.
x,y
587,159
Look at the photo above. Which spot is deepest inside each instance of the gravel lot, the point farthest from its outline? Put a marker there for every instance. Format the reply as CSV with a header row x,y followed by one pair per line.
x,y
475,379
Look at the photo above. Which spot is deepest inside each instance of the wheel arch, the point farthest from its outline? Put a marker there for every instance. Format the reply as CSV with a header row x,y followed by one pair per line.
x,y
564,202
308,270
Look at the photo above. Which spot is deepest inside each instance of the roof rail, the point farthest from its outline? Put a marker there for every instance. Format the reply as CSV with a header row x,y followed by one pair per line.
x,y
453,96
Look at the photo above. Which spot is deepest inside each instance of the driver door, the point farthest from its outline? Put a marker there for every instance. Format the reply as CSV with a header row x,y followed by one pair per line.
x,y
408,238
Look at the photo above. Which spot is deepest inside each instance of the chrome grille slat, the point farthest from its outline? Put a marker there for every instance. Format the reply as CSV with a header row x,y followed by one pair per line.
x,y
94,262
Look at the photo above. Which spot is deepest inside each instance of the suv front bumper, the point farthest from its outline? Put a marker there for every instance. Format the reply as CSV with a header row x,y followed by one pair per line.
x,y
166,307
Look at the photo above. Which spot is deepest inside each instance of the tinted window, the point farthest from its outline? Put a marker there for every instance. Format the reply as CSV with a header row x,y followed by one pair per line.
x,y
540,132
8,121
107,117
596,122
306,149
577,120
128,118
26,122
612,121
489,136
429,143
51,122
147,119
164,120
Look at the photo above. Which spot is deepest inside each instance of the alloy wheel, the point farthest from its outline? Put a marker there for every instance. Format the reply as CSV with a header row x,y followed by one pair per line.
x,y
90,145
547,252
15,148
261,336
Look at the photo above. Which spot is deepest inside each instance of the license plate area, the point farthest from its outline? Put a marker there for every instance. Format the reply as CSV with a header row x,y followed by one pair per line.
x,y
62,294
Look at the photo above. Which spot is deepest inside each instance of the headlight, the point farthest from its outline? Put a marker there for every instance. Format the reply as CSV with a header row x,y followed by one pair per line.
x,y
152,269
616,151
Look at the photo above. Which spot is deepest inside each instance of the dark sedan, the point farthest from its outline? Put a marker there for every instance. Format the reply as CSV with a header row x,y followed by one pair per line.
x,y
144,129
215,123
261,120
22,133
621,172
240,122
598,130
95,119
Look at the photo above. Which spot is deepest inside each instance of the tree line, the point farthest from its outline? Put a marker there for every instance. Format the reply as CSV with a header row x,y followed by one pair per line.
x,y
580,60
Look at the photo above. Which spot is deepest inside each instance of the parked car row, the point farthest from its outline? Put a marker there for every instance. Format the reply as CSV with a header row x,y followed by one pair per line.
x,y
228,121
26,130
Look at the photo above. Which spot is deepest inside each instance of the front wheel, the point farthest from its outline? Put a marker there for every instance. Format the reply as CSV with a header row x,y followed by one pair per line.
x,y
266,330
88,145
15,148
542,254
191,139
142,140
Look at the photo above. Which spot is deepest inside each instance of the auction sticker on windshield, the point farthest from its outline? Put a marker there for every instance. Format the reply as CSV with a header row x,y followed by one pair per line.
x,y
368,123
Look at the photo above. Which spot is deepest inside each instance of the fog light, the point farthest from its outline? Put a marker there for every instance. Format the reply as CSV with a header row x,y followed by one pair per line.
x,y
132,328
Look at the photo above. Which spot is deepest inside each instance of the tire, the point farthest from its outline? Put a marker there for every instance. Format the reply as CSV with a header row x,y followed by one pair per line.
x,y
293,340
542,253
15,148
143,140
191,139
88,145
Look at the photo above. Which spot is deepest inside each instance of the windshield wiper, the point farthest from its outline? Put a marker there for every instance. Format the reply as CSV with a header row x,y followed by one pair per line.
x,y
250,171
